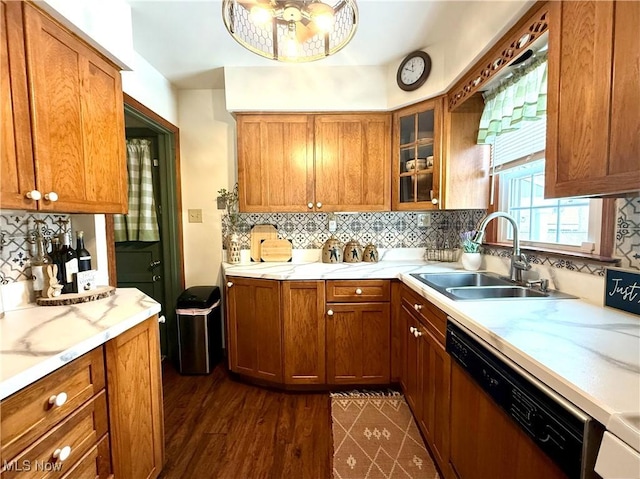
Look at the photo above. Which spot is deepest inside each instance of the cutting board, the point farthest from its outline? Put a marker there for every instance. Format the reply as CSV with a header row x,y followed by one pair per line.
x,y
275,250
259,233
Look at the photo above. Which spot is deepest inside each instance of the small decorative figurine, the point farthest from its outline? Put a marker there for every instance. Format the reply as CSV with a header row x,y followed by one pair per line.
x,y
51,286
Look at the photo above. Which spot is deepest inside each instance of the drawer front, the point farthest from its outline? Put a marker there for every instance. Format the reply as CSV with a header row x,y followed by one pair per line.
x,y
94,464
429,315
358,291
27,414
74,438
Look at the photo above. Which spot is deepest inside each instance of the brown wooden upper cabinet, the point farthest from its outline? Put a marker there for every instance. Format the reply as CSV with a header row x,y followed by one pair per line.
x,y
328,162
437,163
65,148
593,129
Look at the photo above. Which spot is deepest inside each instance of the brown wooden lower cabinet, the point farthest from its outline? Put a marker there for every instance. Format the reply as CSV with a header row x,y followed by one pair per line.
x,y
358,343
254,327
134,385
425,382
304,332
485,442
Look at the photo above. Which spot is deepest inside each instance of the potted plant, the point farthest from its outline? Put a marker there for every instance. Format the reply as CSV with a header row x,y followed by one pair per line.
x,y
470,257
230,201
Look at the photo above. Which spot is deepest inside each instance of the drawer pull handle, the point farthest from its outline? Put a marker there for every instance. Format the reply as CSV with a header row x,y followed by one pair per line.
x,y
358,291
412,330
417,307
330,312
58,399
63,454
417,333
229,284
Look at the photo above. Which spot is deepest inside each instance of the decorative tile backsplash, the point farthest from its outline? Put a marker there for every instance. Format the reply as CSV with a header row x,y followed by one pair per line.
x,y
17,241
628,233
385,230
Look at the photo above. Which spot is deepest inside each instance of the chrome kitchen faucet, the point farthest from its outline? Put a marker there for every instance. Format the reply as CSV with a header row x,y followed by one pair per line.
x,y
519,261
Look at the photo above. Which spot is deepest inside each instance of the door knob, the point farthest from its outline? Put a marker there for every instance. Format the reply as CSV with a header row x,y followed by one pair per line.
x,y
229,284
358,291
435,201
417,307
156,278
58,399
330,312
412,330
310,205
154,264
318,205
417,333
33,195
51,196
63,454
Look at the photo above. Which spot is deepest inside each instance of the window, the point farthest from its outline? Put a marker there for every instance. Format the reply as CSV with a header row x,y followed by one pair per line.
x,y
566,223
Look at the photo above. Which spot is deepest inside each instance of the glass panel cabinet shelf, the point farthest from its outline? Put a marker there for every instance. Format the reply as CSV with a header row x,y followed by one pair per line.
x,y
416,177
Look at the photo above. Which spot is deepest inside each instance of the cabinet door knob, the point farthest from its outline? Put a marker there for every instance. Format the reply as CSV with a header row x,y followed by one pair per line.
x,y
330,312
58,399
63,454
162,319
435,201
318,205
156,278
417,307
154,264
229,284
310,205
358,291
412,330
417,333
34,195
51,196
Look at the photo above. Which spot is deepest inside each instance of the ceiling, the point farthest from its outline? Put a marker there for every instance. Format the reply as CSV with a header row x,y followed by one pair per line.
x,y
186,40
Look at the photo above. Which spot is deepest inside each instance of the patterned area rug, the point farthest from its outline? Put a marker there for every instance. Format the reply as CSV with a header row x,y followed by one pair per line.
x,y
375,436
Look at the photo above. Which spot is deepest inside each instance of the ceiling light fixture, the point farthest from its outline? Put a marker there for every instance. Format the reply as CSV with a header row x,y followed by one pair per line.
x,y
291,30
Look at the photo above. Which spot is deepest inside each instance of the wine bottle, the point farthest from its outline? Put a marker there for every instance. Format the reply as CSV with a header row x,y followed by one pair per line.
x,y
70,260
38,262
57,259
84,257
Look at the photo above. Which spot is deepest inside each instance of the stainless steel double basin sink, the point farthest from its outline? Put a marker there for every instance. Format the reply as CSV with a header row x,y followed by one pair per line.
x,y
476,286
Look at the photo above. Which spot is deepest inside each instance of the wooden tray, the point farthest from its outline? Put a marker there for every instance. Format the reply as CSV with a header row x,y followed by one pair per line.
x,y
259,233
275,250
74,298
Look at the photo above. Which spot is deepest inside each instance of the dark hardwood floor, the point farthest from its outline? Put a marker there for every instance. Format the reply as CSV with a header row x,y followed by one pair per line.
x,y
216,427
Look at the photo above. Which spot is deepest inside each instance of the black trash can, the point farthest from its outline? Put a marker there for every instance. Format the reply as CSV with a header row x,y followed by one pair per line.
x,y
199,330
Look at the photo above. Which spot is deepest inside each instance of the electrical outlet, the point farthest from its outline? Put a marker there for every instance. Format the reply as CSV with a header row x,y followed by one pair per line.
x,y
333,224
423,220
195,216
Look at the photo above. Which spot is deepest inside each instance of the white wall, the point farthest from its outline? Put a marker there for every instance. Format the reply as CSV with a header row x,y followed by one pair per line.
x,y
208,163
96,21
305,87
150,88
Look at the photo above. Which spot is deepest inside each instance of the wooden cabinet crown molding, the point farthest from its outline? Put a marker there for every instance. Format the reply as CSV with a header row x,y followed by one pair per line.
x,y
517,40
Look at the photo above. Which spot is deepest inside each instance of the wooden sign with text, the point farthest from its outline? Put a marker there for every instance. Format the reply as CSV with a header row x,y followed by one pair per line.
x,y
622,290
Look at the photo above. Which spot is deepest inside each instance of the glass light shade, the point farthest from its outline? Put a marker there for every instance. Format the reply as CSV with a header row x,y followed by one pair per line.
x,y
320,28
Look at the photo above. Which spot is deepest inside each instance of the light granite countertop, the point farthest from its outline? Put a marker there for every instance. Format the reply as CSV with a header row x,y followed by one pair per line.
x,y
586,353
38,340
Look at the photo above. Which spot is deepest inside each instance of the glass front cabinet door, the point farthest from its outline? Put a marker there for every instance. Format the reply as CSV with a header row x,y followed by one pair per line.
x,y
417,151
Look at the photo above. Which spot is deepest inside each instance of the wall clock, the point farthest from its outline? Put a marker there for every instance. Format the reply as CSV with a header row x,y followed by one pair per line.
x,y
414,71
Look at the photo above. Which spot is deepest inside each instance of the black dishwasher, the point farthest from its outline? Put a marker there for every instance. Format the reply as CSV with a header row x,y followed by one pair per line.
x,y
564,433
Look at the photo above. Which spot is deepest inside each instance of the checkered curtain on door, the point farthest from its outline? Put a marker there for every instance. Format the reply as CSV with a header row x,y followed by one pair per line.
x,y
141,223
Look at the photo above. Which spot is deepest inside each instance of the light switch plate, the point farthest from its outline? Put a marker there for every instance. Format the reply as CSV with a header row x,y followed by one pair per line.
x,y
195,216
